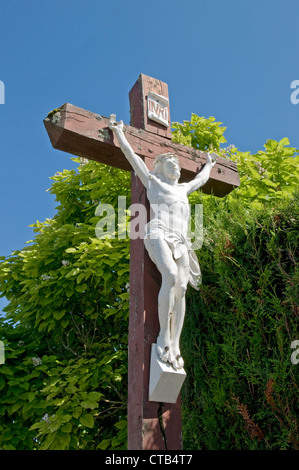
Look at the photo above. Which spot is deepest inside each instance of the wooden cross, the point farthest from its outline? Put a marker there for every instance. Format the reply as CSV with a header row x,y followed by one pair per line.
x,y
151,425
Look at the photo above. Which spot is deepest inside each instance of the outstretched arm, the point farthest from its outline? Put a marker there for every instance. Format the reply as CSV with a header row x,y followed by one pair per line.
x,y
136,162
203,176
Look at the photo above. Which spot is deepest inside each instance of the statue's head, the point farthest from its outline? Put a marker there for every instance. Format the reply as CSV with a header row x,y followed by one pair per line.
x,y
167,165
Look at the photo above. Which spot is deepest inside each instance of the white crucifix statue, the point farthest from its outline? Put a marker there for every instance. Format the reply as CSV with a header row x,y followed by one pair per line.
x,y
166,238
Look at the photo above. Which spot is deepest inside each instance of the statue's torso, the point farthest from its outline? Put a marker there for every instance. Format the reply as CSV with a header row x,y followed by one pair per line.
x,y
169,204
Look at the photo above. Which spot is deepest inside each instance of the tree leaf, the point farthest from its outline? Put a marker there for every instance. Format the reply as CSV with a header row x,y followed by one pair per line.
x,y
58,315
87,420
71,250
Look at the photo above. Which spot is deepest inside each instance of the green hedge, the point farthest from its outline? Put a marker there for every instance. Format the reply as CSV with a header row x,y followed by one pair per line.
x,y
241,390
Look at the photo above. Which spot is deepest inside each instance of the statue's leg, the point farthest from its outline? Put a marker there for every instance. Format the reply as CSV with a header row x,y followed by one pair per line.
x,y
178,315
161,255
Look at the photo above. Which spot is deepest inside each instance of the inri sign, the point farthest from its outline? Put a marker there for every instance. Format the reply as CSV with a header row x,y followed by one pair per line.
x,y
157,108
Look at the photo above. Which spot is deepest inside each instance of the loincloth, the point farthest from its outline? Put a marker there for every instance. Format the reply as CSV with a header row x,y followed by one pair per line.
x,y
176,242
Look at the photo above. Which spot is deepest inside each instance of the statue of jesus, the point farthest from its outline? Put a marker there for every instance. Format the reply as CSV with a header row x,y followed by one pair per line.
x,y
166,238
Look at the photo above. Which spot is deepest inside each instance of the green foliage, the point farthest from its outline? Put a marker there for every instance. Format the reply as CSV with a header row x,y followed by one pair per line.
x,y
268,177
200,133
241,390
63,384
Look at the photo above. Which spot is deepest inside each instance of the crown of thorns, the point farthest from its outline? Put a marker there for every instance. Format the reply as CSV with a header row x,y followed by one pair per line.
x,y
161,157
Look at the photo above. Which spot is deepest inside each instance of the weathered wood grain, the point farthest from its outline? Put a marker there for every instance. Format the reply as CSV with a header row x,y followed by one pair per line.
x,y
86,134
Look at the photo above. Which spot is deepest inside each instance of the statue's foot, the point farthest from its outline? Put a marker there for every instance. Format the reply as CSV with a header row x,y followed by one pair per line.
x,y
163,346
163,353
178,362
176,359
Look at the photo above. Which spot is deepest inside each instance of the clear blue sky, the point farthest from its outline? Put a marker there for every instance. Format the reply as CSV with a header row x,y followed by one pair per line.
x,y
232,59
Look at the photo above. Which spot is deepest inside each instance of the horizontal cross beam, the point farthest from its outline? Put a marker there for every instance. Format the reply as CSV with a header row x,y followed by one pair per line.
x,y
86,134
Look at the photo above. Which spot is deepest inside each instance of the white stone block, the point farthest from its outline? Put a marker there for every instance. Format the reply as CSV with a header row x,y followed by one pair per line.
x,y
165,383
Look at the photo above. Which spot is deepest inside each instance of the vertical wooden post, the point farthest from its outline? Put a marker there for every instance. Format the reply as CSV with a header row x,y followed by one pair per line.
x,y
151,425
